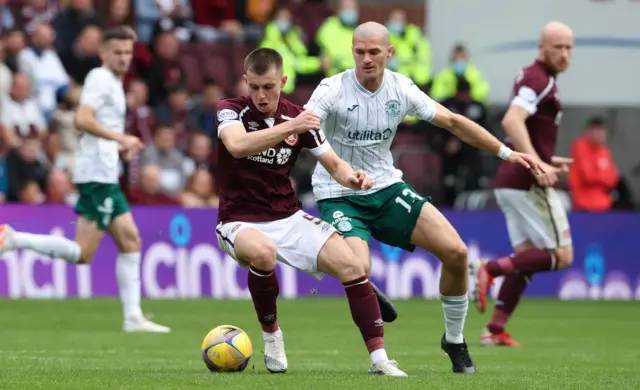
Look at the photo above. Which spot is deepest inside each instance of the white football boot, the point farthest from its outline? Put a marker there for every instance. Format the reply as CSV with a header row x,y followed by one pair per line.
x,y
274,357
144,325
6,238
387,368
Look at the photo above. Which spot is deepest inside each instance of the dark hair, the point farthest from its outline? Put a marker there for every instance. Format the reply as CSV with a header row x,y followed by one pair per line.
x,y
123,33
596,121
261,60
209,82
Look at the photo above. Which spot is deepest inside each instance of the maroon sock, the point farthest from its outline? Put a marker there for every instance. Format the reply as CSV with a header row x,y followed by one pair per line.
x,y
366,312
527,262
264,289
510,292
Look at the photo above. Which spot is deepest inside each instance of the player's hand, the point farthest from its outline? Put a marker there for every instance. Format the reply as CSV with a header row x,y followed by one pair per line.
x,y
129,144
536,166
305,121
549,177
360,181
564,163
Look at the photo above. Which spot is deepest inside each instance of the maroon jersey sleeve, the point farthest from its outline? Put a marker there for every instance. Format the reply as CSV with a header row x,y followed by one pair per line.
x,y
229,113
530,88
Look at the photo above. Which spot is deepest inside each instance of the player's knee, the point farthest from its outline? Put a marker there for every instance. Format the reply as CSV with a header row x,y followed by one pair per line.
x,y
351,268
564,257
263,256
456,256
86,255
131,242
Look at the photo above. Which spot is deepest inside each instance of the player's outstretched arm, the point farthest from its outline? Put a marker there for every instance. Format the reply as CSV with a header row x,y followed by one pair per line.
x,y
343,172
477,136
242,144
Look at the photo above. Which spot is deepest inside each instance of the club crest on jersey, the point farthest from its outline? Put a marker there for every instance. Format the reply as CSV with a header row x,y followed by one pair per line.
x,y
292,139
392,107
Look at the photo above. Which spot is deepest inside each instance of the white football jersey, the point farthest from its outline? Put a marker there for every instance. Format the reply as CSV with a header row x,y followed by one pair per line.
x,y
360,126
97,159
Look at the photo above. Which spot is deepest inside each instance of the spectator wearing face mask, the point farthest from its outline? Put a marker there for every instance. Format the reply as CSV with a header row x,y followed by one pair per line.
x,y
445,83
334,38
281,35
412,51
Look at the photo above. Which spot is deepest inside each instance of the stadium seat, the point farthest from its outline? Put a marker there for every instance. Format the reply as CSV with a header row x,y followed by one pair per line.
x,y
301,94
423,170
218,68
191,66
237,54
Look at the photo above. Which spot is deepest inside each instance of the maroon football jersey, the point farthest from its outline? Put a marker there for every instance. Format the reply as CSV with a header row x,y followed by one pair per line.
x,y
257,188
535,90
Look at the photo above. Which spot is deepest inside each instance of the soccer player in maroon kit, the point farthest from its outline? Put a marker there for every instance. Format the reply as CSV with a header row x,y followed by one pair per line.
x,y
260,221
536,220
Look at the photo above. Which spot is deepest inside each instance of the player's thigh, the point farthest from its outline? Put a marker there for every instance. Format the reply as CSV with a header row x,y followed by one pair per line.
x,y
124,232
398,215
88,237
510,202
247,244
349,219
338,260
434,233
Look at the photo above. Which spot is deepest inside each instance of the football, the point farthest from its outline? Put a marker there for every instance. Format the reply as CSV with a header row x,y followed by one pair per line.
x,y
226,348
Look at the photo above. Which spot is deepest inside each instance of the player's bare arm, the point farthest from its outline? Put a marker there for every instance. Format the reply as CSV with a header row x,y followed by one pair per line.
x,y
86,121
242,144
475,135
343,172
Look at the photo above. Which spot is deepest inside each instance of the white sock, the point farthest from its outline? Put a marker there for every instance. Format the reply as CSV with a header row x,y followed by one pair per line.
x,y
57,247
128,275
276,333
378,355
455,312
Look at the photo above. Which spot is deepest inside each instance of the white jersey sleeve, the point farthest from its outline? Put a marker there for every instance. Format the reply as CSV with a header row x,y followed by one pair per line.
x,y
95,89
419,103
324,97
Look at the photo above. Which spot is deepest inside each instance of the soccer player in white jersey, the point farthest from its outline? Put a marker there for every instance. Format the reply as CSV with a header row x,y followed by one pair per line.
x,y
102,206
360,110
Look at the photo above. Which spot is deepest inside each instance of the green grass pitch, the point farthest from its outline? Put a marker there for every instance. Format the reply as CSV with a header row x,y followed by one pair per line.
x,y
77,344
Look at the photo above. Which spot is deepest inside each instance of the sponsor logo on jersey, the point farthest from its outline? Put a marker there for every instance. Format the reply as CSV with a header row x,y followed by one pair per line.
x,y
253,125
340,222
353,107
272,156
392,107
227,114
292,139
370,135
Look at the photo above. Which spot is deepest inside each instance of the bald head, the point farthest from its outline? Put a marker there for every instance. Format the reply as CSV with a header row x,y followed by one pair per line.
x,y
371,31
556,46
554,30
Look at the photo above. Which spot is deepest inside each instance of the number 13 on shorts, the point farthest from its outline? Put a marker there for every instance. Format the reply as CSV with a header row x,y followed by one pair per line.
x,y
407,198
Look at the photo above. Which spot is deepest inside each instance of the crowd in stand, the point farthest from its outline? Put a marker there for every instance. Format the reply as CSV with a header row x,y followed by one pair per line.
x,y
188,57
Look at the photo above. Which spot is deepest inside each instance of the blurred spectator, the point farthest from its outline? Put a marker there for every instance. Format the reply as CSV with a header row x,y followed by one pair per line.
x,y
282,36
593,174
175,18
140,117
60,189
175,113
334,38
148,12
14,42
198,154
149,192
30,193
199,191
84,55
6,77
23,166
445,83
7,21
217,20
171,162
165,69
72,20
412,50
461,168
3,180
41,64
241,88
64,126
203,116
35,12
119,13
20,116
